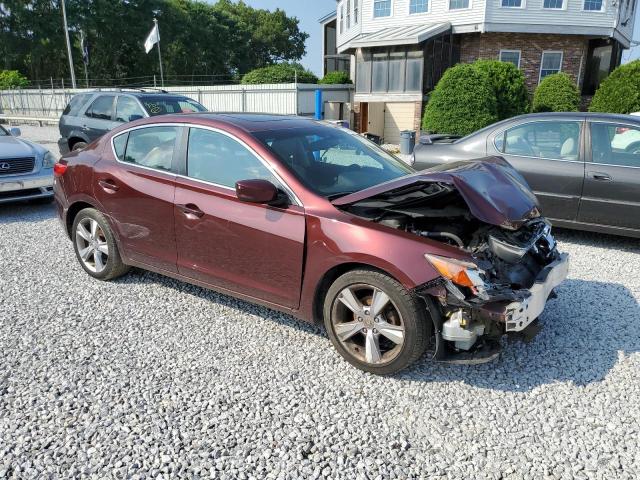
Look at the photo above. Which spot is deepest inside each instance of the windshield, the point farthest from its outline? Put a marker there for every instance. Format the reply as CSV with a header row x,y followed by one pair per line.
x,y
3,132
332,161
162,105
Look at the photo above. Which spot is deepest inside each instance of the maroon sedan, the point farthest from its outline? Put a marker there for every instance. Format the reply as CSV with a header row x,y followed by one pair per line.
x,y
315,221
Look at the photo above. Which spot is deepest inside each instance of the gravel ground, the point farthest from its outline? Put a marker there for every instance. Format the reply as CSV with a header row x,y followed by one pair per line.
x,y
147,377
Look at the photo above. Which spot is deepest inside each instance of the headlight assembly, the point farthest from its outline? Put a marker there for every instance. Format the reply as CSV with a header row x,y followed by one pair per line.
x,y
48,160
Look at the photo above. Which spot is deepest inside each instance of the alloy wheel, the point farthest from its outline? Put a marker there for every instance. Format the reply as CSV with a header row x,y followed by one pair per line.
x,y
368,324
92,245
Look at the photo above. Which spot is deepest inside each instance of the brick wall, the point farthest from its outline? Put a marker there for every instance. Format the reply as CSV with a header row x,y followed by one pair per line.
x,y
488,45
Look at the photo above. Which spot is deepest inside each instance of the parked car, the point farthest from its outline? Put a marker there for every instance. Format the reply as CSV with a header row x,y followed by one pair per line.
x,y
26,169
584,167
90,115
316,221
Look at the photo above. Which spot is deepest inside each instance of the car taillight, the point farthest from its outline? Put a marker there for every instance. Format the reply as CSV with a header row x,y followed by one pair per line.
x,y
59,169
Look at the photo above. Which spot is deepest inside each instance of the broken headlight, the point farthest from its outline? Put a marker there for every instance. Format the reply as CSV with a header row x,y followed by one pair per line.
x,y
460,272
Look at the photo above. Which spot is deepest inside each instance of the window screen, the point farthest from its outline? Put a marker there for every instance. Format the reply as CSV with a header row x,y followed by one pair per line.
x,y
551,63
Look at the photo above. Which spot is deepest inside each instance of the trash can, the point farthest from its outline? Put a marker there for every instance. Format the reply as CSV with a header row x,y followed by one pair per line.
x,y
373,137
407,142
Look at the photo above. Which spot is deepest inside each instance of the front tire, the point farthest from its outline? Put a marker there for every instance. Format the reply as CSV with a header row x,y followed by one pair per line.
x,y
375,323
95,246
78,146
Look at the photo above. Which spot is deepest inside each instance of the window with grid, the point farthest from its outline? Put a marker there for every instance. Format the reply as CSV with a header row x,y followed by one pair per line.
x,y
355,11
593,5
512,3
381,8
348,14
418,6
341,19
510,56
553,4
457,4
551,63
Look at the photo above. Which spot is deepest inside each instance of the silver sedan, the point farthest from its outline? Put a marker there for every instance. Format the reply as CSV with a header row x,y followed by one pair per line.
x,y
26,169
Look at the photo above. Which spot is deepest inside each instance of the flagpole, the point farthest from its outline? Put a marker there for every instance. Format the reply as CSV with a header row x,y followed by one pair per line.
x,y
85,57
66,37
155,20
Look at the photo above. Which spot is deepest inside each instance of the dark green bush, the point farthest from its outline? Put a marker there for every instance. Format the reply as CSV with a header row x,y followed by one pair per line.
x,y
462,102
556,93
509,87
620,91
279,73
335,78
12,79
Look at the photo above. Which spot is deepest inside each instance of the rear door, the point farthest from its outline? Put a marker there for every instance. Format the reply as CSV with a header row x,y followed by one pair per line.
x,y
611,194
137,191
550,155
252,249
99,117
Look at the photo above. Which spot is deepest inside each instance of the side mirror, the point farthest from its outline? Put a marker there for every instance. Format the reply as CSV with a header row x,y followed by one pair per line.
x,y
15,132
425,140
256,191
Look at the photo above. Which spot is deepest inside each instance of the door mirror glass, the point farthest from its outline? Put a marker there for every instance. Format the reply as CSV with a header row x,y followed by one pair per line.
x,y
256,191
15,132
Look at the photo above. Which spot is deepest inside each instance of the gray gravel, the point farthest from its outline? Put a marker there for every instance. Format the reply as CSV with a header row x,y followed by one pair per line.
x,y
147,377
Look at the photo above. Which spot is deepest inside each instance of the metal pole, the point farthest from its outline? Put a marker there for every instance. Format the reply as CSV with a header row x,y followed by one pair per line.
x,y
66,37
155,20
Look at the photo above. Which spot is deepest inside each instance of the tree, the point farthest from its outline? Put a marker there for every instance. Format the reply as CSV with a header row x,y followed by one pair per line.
x,y
462,102
556,93
336,78
509,87
280,73
620,91
12,79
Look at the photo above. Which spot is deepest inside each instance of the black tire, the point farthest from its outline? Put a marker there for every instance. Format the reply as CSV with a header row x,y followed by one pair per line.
x,y
113,267
78,146
412,313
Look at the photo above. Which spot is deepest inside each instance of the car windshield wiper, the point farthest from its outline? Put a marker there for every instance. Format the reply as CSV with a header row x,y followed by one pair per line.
x,y
334,196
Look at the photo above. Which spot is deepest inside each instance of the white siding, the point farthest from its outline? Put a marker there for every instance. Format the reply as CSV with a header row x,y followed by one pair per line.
x,y
397,117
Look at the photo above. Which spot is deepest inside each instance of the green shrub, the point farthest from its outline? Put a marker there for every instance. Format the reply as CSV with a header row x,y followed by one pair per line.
x,y
509,87
335,78
279,73
462,102
12,79
556,93
620,91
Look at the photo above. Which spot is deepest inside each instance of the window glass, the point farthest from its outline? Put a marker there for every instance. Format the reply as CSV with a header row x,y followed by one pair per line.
x,y
330,160
363,72
510,56
552,4
355,11
341,19
613,144
381,8
76,103
120,144
551,63
162,105
127,110
418,6
396,71
152,147
414,72
380,72
456,4
593,5
348,14
217,158
102,108
554,140
512,3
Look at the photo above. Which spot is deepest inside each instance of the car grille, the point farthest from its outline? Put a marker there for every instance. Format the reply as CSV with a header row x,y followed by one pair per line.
x,y
13,166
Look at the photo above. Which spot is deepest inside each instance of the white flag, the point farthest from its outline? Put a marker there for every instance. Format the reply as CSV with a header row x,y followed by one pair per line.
x,y
152,39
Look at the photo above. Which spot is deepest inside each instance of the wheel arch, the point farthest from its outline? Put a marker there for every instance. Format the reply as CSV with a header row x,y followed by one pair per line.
x,y
76,137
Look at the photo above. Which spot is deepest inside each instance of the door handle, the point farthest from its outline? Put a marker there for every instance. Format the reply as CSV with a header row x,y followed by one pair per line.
x,y
603,177
190,210
108,186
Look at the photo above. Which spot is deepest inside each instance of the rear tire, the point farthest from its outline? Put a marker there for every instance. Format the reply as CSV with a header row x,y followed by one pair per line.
x,y
78,146
375,323
95,246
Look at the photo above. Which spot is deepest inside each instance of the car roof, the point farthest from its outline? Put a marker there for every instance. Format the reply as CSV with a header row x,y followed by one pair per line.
x,y
135,93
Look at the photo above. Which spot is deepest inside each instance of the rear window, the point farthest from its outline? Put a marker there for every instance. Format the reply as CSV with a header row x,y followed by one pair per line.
x,y
163,105
76,103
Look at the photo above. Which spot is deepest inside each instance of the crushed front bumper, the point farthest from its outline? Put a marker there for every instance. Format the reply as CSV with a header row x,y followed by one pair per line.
x,y
518,315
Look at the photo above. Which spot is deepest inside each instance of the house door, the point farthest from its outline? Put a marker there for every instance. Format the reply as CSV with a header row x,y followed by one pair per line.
x,y
375,123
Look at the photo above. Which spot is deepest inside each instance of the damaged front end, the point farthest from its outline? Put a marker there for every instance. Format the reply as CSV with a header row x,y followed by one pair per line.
x,y
507,262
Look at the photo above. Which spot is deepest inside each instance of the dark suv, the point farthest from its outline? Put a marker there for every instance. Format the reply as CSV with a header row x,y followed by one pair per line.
x,y
90,115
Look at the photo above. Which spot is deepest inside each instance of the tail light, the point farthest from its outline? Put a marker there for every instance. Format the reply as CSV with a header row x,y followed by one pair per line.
x,y
59,169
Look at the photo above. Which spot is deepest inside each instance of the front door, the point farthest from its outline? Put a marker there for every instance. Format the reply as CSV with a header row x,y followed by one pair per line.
x,y
612,183
137,191
550,157
376,119
252,249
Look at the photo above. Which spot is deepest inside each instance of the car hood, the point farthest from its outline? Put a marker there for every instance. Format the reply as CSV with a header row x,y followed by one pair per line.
x,y
12,147
493,190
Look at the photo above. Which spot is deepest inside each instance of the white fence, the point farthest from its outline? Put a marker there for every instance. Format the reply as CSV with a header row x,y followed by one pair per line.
x,y
287,99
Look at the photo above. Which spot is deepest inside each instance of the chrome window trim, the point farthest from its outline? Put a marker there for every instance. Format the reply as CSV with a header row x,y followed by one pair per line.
x,y
502,132
287,188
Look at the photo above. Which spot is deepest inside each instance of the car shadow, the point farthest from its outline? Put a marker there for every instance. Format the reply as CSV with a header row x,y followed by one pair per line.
x,y
20,212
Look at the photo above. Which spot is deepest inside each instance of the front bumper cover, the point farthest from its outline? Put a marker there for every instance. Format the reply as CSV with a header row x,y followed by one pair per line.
x,y
27,187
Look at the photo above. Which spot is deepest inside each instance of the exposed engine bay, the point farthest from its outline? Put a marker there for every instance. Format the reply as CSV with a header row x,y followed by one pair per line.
x,y
503,287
